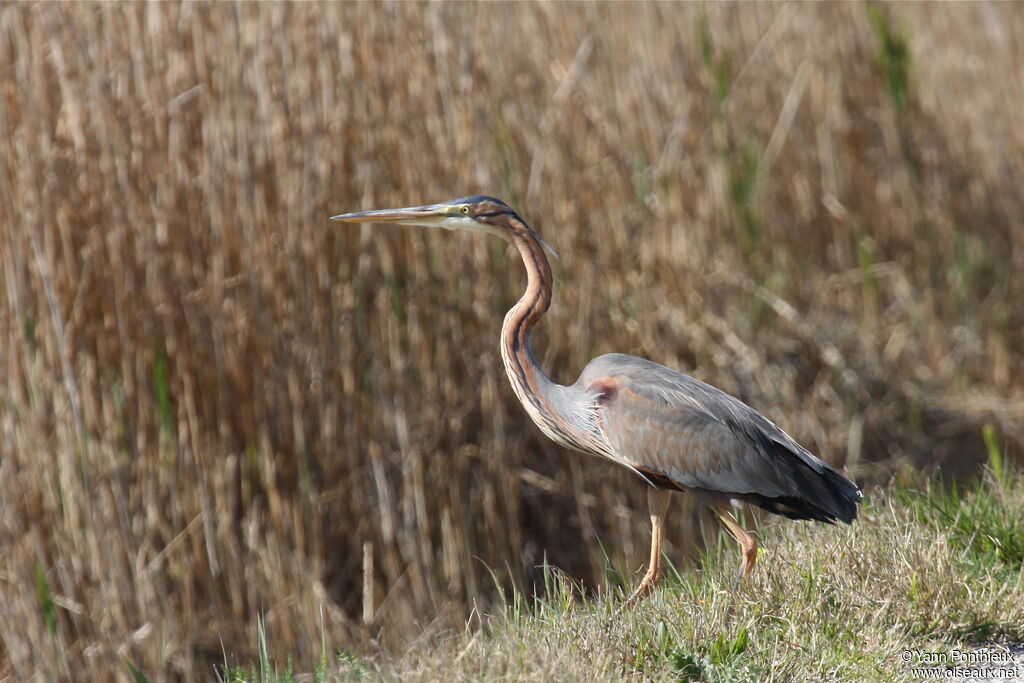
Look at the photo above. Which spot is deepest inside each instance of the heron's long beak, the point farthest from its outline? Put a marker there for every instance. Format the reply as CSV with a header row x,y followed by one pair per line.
x,y
430,215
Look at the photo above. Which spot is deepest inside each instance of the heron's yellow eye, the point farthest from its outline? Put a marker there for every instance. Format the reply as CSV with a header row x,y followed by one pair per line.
x,y
464,209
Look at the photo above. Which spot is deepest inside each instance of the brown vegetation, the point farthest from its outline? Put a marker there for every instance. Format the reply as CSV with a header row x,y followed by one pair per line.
x,y
216,405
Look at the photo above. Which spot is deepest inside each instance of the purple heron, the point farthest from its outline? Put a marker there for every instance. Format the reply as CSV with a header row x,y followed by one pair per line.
x,y
674,431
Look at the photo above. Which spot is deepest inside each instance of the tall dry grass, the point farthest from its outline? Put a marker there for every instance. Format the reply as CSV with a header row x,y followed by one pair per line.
x,y
215,405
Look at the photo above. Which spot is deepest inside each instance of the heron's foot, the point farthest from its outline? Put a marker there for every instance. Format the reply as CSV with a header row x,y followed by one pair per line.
x,y
645,588
739,582
746,539
748,547
657,502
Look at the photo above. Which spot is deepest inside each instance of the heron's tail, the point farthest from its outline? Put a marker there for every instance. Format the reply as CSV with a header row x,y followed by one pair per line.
x,y
825,496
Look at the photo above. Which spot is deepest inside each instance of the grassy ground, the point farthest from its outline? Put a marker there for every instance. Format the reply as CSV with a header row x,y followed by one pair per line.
x,y
926,570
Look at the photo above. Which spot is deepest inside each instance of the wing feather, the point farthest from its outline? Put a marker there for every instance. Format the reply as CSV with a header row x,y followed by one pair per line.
x,y
698,437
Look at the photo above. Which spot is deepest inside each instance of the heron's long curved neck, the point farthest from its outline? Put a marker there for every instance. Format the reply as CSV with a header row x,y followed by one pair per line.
x,y
564,413
528,379
515,332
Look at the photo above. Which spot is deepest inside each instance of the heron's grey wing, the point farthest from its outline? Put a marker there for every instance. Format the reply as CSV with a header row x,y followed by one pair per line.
x,y
680,431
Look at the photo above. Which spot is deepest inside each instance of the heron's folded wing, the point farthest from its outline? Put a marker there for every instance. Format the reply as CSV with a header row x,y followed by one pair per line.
x,y
670,435
697,436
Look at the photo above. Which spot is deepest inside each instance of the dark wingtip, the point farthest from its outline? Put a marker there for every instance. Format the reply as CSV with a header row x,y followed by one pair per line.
x,y
826,497
847,496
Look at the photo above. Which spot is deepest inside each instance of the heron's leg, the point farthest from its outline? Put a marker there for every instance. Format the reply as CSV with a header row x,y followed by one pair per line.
x,y
657,503
748,544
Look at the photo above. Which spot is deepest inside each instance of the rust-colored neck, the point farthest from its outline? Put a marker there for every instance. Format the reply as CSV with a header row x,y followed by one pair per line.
x,y
529,381
537,297
563,413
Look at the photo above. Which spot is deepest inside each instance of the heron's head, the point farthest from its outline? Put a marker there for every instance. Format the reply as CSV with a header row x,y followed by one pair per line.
x,y
476,214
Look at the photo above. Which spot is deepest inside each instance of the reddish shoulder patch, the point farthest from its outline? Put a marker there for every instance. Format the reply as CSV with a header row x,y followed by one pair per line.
x,y
605,388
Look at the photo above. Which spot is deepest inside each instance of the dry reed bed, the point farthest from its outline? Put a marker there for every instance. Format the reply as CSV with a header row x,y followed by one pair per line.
x,y
216,405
